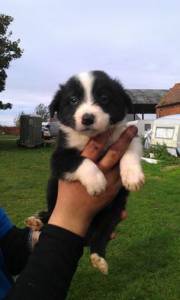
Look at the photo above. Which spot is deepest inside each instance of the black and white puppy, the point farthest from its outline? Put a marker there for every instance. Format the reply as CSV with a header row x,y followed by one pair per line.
x,y
86,105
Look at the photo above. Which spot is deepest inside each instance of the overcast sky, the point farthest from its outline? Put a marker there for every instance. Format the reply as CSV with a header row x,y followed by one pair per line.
x,y
136,41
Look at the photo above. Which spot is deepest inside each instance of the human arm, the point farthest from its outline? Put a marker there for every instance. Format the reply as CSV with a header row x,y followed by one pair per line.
x,y
13,244
51,267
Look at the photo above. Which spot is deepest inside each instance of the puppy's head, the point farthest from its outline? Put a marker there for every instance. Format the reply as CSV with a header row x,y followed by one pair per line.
x,y
90,102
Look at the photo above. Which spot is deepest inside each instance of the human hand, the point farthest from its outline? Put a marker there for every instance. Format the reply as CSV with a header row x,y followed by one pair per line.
x,y
75,208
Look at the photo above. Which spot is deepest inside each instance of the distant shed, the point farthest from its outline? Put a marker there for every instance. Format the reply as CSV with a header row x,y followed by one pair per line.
x,y
145,100
30,131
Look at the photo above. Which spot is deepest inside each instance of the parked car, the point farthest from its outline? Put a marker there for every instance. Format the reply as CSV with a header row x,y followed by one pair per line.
x,y
50,129
45,130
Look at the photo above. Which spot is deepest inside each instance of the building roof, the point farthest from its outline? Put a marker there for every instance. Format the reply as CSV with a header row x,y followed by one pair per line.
x,y
171,119
172,97
146,96
131,117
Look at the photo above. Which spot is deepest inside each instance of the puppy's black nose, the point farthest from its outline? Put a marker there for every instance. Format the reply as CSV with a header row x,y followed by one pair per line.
x,y
88,119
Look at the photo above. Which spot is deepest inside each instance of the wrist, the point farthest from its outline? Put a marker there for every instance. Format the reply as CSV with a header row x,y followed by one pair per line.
x,y
77,226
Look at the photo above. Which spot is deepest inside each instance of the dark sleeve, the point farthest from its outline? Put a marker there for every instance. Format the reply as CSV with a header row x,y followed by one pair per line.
x,y
51,266
15,249
13,244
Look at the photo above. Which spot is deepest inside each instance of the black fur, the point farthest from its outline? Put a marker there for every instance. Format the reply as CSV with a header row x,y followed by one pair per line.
x,y
104,223
112,98
62,101
118,104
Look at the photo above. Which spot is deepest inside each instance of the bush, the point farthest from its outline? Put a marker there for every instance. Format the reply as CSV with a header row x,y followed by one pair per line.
x,y
160,152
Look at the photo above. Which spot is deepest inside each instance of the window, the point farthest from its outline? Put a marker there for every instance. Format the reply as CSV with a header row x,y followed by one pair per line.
x,y
164,133
147,127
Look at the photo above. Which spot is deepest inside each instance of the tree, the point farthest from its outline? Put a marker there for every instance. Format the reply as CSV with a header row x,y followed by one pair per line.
x,y
43,111
5,105
9,50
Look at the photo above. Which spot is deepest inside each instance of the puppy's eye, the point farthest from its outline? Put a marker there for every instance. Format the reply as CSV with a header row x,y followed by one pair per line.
x,y
73,100
104,98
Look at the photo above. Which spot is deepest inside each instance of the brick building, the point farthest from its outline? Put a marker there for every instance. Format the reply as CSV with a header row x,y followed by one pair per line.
x,y
170,102
9,130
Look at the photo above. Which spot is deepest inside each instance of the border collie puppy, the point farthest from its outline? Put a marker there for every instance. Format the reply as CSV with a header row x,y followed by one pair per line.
x,y
86,105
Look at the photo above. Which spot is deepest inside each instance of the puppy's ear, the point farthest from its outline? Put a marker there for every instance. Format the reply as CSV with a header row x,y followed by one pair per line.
x,y
54,106
124,95
128,102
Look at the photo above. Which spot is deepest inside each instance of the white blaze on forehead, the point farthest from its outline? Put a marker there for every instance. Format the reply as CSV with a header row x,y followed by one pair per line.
x,y
88,106
86,79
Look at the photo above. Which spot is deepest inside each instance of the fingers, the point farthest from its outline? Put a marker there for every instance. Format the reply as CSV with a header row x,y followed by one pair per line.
x,y
113,175
117,150
95,146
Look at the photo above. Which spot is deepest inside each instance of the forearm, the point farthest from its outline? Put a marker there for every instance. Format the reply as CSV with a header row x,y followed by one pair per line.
x,y
51,267
15,247
13,244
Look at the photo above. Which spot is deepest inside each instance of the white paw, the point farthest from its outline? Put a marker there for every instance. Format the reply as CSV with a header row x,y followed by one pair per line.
x,y
34,223
99,263
95,184
132,178
90,176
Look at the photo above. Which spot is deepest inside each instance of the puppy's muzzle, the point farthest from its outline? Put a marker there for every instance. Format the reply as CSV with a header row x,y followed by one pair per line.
x,y
88,119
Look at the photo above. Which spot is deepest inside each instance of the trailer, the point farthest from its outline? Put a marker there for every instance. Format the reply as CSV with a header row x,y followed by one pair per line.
x,y
166,130
30,131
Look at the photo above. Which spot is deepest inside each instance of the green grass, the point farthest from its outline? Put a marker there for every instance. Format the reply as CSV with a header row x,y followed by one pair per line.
x,y
23,177
144,259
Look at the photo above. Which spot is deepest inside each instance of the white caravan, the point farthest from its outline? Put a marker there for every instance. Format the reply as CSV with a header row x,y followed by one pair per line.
x,y
166,130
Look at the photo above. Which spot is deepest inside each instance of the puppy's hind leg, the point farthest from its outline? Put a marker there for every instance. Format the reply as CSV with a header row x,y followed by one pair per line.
x,y
52,191
99,240
97,257
101,228
99,262
34,222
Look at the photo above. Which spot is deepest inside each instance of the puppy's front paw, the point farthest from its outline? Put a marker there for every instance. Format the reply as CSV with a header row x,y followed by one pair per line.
x,y
96,183
132,178
100,263
90,176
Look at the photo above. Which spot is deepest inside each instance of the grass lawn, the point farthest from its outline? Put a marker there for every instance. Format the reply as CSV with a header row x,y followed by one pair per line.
x,y
144,259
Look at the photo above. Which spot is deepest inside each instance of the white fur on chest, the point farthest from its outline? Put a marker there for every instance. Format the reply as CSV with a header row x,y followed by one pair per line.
x,y
79,141
118,129
74,138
